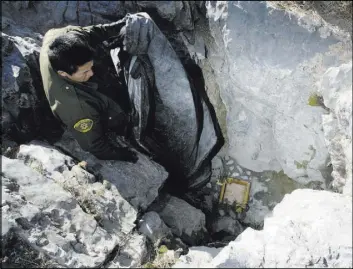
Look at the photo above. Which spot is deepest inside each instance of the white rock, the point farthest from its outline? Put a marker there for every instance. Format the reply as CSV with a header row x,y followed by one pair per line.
x,y
50,219
232,214
227,224
309,225
239,169
217,169
115,214
197,257
308,228
153,227
167,259
336,88
230,162
18,87
239,253
257,213
138,183
197,50
44,158
131,254
270,125
185,221
257,209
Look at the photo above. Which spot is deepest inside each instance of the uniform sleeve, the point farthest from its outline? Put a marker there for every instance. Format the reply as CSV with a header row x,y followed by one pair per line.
x,y
85,125
96,34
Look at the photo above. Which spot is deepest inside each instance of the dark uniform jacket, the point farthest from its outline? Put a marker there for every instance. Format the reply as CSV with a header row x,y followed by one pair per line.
x,y
87,113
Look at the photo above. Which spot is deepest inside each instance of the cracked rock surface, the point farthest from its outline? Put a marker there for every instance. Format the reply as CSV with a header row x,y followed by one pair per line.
x,y
184,220
287,239
266,65
138,183
51,220
62,210
153,227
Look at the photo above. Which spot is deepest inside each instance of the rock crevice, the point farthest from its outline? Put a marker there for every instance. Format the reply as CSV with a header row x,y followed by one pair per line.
x,y
279,77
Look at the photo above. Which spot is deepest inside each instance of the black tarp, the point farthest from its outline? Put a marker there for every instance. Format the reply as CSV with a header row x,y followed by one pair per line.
x,y
173,119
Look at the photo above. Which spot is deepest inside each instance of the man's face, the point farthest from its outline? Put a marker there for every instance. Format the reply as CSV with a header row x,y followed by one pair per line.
x,y
83,73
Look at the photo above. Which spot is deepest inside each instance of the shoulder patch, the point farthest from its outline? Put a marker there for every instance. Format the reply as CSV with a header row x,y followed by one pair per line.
x,y
83,125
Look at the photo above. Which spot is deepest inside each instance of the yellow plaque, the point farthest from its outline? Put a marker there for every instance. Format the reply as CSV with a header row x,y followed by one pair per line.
x,y
235,192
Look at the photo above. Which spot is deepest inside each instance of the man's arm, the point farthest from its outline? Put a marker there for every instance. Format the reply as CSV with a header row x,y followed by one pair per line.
x,y
96,34
84,123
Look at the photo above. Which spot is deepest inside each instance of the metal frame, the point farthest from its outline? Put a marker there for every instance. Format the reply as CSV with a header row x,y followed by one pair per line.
x,y
239,207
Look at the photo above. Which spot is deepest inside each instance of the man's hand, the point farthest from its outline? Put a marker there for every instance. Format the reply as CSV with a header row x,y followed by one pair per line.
x,y
127,155
83,164
116,41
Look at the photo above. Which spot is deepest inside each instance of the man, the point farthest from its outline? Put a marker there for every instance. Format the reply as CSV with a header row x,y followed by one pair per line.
x,y
66,65
168,114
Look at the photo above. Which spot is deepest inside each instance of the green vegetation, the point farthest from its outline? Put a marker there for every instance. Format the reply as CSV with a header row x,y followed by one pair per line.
x,y
317,100
303,165
162,249
149,265
164,258
314,100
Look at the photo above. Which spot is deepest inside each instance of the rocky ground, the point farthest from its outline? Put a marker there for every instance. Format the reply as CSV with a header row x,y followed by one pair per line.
x,y
283,98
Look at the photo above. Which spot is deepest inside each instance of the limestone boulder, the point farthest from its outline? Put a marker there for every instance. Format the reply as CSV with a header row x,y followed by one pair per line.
x,y
309,228
336,89
184,220
261,68
153,227
53,222
102,199
132,254
138,183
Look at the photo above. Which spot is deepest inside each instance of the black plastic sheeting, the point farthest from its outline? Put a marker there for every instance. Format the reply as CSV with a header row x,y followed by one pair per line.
x,y
173,120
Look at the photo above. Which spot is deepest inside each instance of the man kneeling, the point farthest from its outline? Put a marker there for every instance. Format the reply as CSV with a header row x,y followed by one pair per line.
x,y
66,65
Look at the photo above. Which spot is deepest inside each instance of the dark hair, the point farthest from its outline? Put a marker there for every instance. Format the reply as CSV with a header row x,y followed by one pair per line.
x,y
69,51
